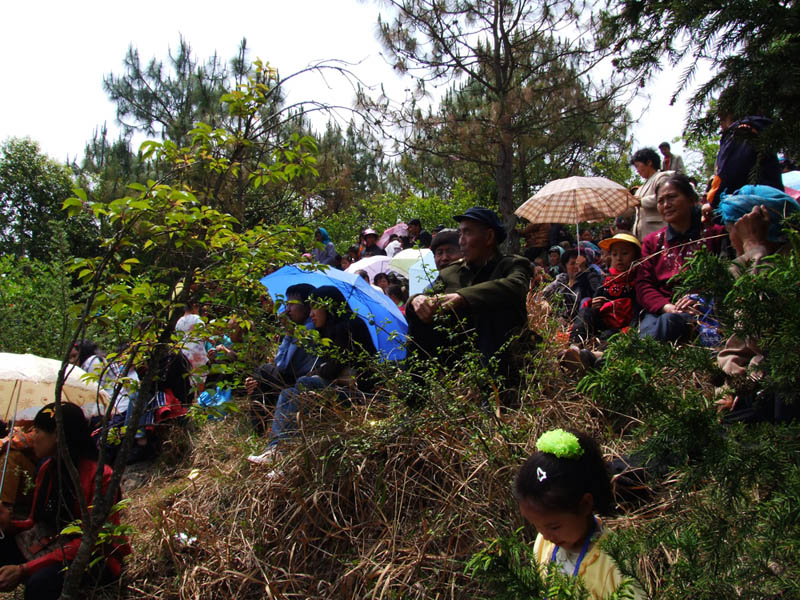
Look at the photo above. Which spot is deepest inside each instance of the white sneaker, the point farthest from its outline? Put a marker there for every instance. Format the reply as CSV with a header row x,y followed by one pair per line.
x,y
274,474
265,458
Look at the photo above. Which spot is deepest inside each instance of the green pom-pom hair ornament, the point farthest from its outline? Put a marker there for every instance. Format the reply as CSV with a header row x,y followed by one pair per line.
x,y
560,443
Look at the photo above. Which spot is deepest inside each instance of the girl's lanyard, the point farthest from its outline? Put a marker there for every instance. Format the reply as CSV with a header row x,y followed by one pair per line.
x,y
584,550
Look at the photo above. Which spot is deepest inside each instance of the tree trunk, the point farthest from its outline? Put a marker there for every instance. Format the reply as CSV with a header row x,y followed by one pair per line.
x,y
504,180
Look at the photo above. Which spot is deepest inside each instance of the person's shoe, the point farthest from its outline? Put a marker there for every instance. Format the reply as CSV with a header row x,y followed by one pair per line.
x,y
274,475
265,458
570,360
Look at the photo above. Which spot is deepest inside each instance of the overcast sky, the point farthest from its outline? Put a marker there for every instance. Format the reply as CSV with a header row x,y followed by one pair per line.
x,y
56,53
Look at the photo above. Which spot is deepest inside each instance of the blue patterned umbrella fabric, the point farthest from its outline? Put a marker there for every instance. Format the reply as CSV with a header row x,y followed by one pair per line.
x,y
386,324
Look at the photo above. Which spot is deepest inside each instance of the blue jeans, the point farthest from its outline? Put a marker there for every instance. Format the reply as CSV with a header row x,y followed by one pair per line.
x,y
666,327
283,421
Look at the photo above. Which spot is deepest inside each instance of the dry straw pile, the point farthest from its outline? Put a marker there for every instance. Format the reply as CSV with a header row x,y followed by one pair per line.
x,y
372,500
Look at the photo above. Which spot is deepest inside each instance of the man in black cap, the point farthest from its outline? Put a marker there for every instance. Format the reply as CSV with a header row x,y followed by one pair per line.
x,y
485,288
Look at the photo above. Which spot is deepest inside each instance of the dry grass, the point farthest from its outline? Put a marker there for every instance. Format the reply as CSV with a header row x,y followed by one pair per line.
x,y
372,501
367,505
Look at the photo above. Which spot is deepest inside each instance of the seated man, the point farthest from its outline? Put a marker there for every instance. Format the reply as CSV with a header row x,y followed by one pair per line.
x,y
754,219
485,288
445,248
290,362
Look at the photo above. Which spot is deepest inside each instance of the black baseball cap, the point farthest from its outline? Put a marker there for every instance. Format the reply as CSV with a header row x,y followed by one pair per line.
x,y
487,217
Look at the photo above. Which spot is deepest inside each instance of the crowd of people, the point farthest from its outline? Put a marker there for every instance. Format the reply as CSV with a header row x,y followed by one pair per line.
x,y
606,280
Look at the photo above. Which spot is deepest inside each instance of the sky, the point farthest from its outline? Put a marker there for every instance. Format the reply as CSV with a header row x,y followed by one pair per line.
x,y
56,54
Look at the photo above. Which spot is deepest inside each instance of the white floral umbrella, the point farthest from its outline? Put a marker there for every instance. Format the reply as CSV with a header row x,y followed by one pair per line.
x,y
28,382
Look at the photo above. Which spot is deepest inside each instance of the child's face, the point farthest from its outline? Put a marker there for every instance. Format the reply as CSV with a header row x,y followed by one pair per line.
x,y
622,255
562,528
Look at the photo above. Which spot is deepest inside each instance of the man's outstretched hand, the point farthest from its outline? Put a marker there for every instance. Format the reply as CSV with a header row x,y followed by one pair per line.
x,y
425,307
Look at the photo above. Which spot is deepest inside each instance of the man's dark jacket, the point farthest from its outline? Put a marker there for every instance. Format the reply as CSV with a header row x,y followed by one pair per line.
x,y
740,161
495,294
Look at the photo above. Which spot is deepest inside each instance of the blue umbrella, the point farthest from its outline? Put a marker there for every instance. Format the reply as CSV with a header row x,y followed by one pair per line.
x,y
422,274
386,323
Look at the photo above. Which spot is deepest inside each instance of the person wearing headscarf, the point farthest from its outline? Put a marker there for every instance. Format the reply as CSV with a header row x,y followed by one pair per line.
x,y
554,260
327,254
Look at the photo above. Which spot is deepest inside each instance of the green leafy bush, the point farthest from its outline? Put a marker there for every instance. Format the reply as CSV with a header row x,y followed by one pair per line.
x,y
35,298
385,210
728,524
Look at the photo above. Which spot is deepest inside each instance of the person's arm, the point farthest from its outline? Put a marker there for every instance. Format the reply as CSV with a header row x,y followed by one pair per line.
x,y
331,363
555,286
502,293
647,193
67,551
648,294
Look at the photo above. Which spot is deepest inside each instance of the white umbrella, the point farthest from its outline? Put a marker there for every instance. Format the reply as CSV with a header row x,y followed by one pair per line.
x,y
403,260
422,274
28,382
372,265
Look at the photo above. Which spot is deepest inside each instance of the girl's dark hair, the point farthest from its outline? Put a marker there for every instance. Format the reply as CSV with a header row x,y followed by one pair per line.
x,y
567,256
397,291
682,183
566,480
77,433
55,505
86,348
647,156
333,301
380,276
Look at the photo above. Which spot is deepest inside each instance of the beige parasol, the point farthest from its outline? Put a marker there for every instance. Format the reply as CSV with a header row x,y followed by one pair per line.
x,y
28,382
577,199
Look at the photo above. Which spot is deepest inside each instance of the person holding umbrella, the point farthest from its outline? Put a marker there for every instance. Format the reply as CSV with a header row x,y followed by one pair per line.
x,y
291,361
347,338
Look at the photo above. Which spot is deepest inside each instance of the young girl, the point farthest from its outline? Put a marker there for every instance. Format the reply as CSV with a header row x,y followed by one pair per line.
x,y
559,490
613,306
33,551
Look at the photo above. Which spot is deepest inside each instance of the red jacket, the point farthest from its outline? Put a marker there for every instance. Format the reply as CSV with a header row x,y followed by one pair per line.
x,y
621,307
666,252
66,552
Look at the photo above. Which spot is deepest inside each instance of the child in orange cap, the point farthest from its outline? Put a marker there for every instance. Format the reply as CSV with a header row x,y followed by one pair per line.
x,y
613,306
